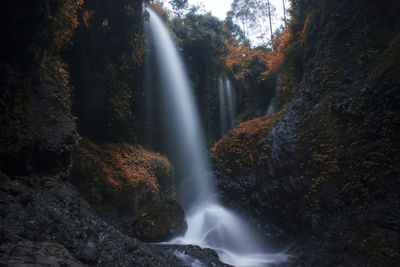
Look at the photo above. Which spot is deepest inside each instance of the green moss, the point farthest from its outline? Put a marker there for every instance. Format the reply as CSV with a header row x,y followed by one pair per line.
x,y
318,140
382,250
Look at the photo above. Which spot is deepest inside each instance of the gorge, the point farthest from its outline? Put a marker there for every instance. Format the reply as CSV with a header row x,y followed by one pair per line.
x,y
134,135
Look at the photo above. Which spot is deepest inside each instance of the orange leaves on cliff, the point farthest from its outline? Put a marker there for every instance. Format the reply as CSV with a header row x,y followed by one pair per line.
x,y
105,22
135,166
137,44
246,146
86,16
121,176
240,58
282,43
130,10
121,167
65,22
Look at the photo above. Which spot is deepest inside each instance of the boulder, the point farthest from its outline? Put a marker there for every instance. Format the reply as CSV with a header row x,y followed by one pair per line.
x,y
131,186
160,222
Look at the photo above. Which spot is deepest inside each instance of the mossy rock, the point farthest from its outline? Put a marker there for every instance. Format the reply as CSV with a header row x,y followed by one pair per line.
x,y
160,222
128,183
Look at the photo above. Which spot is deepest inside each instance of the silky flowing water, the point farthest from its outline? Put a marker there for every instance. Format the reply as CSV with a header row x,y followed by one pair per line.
x,y
227,103
210,225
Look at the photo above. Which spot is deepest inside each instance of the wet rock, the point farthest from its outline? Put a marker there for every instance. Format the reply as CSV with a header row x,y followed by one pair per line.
x,y
60,215
160,222
190,255
27,253
15,251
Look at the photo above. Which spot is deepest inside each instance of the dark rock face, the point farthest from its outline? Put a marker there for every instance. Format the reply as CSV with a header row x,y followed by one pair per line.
x,y
46,210
160,222
37,128
43,138
330,186
23,253
15,251
105,66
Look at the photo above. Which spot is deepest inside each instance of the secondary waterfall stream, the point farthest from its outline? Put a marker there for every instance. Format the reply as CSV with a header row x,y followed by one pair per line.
x,y
226,98
210,225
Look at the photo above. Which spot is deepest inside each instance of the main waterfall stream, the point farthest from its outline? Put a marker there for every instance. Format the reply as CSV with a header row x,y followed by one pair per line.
x,y
210,225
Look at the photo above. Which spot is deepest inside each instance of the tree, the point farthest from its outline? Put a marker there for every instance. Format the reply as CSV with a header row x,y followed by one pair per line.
x,y
243,11
251,16
179,6
284,12
269,8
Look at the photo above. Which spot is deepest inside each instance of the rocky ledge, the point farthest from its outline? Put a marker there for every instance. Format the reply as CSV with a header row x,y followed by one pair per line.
x,y
44,217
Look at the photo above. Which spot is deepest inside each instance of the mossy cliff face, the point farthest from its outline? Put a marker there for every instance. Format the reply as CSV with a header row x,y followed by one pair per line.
x,y
37,129
131,184
331,180
246,148
105,65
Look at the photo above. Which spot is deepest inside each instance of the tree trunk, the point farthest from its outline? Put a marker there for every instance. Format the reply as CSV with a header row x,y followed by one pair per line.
x,y
284,12
269,16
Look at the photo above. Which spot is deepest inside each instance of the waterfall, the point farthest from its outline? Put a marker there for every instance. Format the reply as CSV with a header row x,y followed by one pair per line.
x,y
222,107
210,225
184,136
227,104
231,103
271,107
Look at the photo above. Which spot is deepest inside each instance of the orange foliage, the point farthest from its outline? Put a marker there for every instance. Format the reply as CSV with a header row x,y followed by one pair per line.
x,y
137,44
65,22
160,10
134,165
86,16
138,173
120,175
283,42
302,34
246,146
130,10
241,57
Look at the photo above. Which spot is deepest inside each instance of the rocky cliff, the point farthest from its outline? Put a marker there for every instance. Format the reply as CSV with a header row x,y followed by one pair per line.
x,y
323,177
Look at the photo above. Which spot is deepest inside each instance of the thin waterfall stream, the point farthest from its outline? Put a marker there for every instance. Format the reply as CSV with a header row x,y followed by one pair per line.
x,y
227,103
210,225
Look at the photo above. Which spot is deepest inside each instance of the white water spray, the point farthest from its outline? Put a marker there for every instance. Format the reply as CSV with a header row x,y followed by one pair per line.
x,y
210,225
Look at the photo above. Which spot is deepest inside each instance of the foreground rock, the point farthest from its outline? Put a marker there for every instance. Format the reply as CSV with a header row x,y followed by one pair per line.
x,y
15,251
42,210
